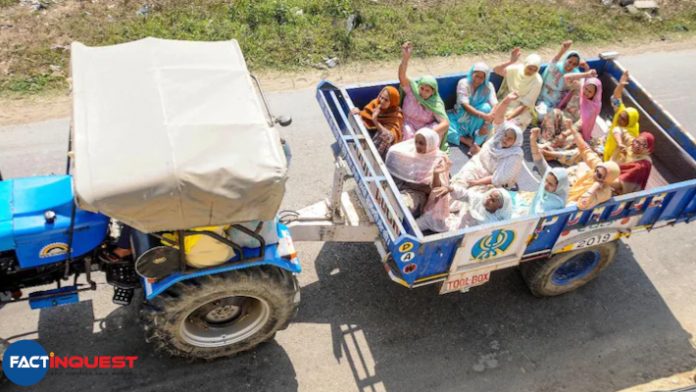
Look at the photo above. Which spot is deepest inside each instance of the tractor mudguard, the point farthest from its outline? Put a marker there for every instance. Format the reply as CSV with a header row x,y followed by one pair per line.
x,y
272,257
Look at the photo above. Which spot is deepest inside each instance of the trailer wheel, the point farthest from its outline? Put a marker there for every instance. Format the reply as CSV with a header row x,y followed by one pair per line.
x,y
221,315
566,272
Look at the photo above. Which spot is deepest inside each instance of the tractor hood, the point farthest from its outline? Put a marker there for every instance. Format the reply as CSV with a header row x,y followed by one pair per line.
x,y
173,135
23,202
38,239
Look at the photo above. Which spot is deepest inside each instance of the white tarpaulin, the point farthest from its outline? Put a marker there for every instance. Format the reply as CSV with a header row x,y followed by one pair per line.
x,y
172,135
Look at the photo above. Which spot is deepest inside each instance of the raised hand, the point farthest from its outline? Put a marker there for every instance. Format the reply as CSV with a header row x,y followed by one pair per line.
x,y
624,79
565,45
515,55
576,136
534,133
406,49
593,73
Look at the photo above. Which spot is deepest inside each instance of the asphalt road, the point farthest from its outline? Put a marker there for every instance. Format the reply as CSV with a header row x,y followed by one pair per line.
x,y
356,330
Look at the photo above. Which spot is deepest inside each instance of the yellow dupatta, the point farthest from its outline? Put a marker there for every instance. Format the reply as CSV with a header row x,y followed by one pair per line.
x,y
633,128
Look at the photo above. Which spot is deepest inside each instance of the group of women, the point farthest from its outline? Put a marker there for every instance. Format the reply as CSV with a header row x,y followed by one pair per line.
x,y
412,131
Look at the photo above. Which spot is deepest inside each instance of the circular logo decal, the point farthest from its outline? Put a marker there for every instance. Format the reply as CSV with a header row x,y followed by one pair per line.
x,y
408,256
409,268
493,245
406,247
25,362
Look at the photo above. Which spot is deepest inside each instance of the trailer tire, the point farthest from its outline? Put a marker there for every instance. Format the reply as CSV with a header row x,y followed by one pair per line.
x,y
568,271
221,315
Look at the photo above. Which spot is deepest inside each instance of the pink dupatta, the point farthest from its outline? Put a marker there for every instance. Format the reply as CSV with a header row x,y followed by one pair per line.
x,y
590,108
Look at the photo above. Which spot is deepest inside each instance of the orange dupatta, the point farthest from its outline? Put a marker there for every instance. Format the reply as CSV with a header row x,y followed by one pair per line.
x,y
390,118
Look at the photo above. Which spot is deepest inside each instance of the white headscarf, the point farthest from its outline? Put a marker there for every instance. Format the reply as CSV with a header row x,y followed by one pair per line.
x,y
548,201
405,163
478,210
519,81
532,59
527,87
495,146
481,67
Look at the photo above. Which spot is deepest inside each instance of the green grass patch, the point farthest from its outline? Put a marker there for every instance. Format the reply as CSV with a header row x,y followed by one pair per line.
x,y
33,84
295,34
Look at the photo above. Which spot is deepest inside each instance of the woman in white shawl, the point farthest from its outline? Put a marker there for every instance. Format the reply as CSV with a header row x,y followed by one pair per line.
x,y
500,160
552,193
481,208
523,79
475,208
416,166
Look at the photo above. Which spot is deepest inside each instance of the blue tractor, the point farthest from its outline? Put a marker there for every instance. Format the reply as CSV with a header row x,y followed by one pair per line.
x,y
160,149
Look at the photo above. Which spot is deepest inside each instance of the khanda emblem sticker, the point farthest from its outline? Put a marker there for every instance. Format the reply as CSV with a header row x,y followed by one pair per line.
x,y
493,245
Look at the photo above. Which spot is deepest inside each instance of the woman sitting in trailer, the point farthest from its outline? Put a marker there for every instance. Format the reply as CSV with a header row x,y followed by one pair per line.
x,y
383,119
472,207
422,105
635,164
593,179
416,166
500,160
523,79
471,119
625,125
581,106
553,188
565,63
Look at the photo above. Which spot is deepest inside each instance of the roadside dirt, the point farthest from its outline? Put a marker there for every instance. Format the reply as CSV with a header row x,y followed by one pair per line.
x,y
33,109
680,380
366,72
40,108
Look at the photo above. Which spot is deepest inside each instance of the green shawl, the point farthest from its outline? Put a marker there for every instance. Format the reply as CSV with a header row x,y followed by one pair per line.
x,y
435,103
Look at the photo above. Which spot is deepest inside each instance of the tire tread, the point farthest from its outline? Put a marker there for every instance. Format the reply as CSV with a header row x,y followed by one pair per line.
x,y
161,316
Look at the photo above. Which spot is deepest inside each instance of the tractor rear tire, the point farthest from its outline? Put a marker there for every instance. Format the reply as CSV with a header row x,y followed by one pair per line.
x,y
567,271
221,315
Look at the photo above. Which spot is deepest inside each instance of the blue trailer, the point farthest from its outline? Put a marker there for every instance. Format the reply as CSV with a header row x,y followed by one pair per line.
x,y
557,251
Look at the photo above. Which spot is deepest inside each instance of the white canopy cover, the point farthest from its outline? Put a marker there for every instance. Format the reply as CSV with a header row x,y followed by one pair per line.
x,y
172,135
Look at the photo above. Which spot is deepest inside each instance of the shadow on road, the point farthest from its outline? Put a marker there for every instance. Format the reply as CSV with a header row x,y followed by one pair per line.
x,y
268,368
614,333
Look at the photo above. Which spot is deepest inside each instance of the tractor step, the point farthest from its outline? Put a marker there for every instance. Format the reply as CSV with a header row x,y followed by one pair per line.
x,y
122,296
122,275
52,298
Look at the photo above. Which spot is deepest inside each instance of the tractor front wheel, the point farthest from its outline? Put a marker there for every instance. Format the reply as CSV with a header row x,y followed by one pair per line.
x,y
221,315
